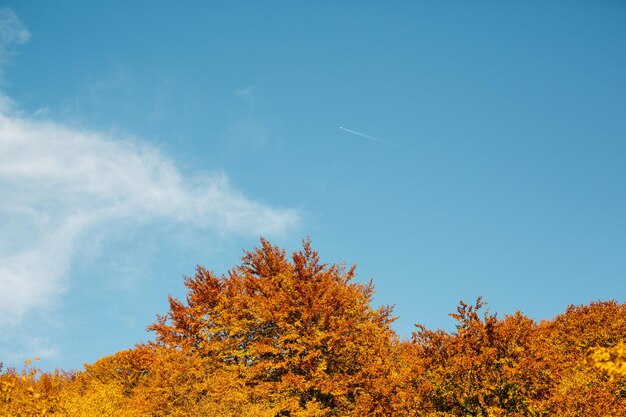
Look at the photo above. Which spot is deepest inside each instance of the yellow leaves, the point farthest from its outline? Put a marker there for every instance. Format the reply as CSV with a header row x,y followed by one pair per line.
x,y
29,361
279,336
611,360
513,365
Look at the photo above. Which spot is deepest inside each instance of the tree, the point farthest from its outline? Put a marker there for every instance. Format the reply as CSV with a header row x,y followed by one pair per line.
x,y
578,387
485,368
302,335
515,367
279,336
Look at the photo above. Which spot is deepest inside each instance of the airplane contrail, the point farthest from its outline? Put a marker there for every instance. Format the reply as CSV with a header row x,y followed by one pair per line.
x,y
375,139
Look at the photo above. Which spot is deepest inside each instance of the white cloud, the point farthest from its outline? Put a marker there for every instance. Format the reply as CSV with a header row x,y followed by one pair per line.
x,y
244,92
58,183
12,30
12,33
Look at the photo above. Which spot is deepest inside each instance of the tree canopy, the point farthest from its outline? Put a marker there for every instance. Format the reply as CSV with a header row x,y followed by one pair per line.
x,y
301,334
283,335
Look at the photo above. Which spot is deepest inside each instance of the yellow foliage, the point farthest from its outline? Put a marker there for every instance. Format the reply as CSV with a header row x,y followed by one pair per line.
x,y
280,336
611,360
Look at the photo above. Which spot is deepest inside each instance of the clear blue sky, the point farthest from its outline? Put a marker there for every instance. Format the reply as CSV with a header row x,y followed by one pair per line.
x,y
138,139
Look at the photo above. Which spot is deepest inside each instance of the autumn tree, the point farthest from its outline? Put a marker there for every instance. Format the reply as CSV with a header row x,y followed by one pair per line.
x,y
301,335
578,387
291,336
32,392
486,367
159,381
515,367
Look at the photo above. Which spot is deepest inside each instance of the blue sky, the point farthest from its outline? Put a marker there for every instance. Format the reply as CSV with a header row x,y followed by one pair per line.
x,y
138,139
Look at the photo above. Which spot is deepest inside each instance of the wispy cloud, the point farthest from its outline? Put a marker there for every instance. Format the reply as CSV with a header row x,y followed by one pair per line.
x,y
58,183
244,92
12,33
247,94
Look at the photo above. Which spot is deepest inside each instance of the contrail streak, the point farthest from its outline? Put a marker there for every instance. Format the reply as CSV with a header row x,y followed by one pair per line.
x,y
375,139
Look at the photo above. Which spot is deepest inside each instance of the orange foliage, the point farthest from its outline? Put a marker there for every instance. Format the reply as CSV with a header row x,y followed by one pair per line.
x,y
580,388
487,367
514,367
290,336
300,334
